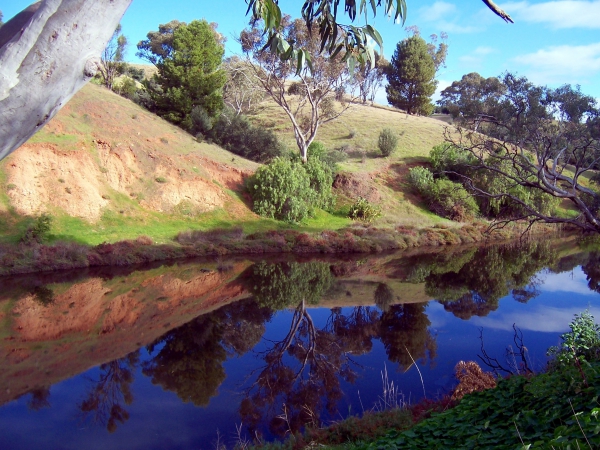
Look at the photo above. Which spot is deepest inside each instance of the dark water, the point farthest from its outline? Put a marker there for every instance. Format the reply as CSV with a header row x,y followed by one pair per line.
x,y
184,356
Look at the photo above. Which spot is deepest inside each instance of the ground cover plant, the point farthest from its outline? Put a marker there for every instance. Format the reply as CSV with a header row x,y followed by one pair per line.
x,y
555,409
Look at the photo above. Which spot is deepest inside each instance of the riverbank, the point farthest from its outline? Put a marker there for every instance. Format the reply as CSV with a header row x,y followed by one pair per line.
x,y
558,408
35,257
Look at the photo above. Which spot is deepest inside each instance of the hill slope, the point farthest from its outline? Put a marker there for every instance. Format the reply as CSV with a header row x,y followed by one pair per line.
x,y
106,169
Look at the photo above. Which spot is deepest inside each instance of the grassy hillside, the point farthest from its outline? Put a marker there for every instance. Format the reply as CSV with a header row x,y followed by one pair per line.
x,y
107,170
356,133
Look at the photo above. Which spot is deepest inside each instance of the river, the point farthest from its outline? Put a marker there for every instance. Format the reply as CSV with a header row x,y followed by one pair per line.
x,y
199,353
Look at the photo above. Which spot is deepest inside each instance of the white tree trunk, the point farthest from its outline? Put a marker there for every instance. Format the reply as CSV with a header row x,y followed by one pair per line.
x,y
47,53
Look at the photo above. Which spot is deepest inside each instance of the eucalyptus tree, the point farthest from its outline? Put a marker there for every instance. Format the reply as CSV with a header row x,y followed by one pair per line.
x,y
307,93
535,142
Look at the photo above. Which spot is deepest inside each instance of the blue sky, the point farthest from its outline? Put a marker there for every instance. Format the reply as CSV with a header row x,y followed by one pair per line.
x,y
551,42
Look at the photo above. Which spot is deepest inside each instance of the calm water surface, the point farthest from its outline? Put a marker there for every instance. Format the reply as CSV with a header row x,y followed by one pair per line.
x,y
178,356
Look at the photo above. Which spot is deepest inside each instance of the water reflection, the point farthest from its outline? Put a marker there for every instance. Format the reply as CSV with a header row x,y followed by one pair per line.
x,y
323,319
109,394
190,359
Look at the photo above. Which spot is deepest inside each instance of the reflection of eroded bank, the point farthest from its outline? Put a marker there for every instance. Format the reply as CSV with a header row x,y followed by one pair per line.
x,y
58,330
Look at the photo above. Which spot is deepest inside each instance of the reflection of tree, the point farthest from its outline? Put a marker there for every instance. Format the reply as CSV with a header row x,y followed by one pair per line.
x,y
39,399
384,296
190,361
592,271
404,327
286,284
492,273
303,371
107,394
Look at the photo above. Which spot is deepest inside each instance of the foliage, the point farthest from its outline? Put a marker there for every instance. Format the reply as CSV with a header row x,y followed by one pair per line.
x,y
289,190
236,134
363,210
420,178
387,142
281,285
333,36
461,165
472,96
444,197
188,59
112,57
310,100
581,343
446,157
411,77
546,411
370,77
39,230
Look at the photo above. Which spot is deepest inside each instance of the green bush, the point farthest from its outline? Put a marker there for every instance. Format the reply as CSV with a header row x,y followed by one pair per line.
x,y
387,142
239,136
420,178
363,210
290,190
281,190
320,175
448,157
39,230
444,197
451,200
582,342
329,157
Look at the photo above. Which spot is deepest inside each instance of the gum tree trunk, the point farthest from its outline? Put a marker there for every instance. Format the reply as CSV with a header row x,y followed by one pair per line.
x,y
47,53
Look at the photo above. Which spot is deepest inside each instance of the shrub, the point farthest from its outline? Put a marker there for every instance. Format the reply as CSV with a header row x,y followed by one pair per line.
x,y
387,142
582,342
201,121
39,230
281,190
160,179
420,178
126,88
451,200
444,197
363,210
446,156
320,175
239,136
330,158
290,190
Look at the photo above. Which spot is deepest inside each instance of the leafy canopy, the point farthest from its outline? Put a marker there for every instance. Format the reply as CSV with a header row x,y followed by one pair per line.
x,y
188,59
411,77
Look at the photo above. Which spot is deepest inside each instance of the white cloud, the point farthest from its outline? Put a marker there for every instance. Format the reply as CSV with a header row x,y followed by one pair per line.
x,y
474,60
558,14
444,15
437,11
562,64
442,84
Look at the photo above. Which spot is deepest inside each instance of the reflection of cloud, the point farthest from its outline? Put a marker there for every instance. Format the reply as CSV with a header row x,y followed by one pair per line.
x,y
574,281
558,14
542,318
562,64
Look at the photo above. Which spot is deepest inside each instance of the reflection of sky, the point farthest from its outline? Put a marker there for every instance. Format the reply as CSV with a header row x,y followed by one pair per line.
x,y
573,282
